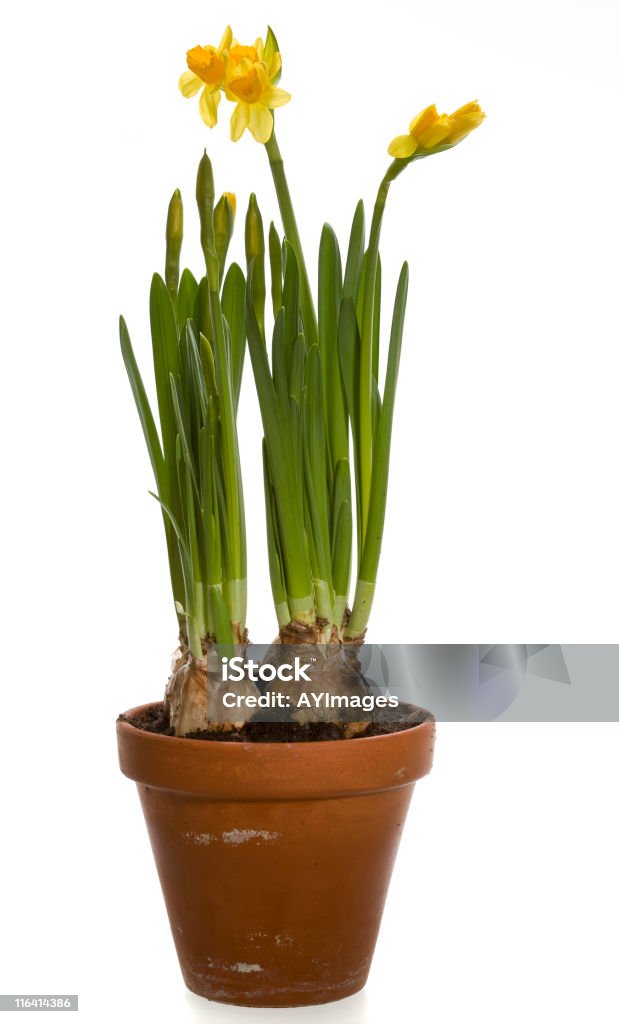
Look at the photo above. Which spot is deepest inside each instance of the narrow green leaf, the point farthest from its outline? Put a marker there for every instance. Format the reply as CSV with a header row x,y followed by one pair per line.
x,y
376,321
342,552
184,552
349,344
278,361
314,433
233,306
356,248
296,372
207,361
275,258
187,292
202,310
181,421
289,501
223,629
143,407
380,475
291,299
276,572
230,465
166,359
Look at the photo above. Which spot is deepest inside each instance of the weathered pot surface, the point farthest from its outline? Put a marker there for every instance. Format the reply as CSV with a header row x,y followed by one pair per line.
x,y
275,858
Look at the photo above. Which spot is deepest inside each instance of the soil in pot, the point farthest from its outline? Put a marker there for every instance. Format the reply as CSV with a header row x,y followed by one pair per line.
x,y
156,719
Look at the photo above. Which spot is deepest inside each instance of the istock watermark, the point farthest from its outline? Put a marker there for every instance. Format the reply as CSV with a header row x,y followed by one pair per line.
x,y
235,669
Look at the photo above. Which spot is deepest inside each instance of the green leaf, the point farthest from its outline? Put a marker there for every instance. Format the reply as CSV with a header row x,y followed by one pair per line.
x,y
228,449
223,629
181,421
184,553
296,371
166,359
187,292
276,572
275,258
142,405
278,361
207,361
342,550
354,258
233,307
314,433
380,470
349,344
202,310
289,501
376,320
291,298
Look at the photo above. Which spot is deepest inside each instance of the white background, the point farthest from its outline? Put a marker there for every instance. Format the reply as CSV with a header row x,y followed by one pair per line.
x,y
504,497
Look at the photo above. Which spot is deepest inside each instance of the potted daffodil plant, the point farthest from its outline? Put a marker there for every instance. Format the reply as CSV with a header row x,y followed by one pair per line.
x,y
240,807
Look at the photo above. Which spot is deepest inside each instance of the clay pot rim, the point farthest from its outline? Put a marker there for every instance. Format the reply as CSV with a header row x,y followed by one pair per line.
x,y
275,771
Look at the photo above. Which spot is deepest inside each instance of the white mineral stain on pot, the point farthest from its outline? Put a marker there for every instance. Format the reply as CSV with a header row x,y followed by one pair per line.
x,y
234,837
246,968
201,838
245,835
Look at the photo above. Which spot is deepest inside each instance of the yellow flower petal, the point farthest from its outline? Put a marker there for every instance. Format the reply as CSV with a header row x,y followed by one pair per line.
x,y
189,84
239,121
470,108
226,39
275,97
260,122
435,133
209,101
402,147
423,120
465,120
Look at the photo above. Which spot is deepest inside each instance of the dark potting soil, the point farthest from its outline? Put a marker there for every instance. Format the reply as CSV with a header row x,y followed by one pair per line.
x,y
386,720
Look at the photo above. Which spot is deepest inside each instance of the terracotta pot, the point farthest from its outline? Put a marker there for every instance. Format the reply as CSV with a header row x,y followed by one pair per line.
x,y
275,858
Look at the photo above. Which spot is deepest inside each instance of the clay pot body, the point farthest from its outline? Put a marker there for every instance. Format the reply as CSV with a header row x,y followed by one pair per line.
x,y
275,858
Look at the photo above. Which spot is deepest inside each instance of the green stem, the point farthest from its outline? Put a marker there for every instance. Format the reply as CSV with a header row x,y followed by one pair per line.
x,y
365,370
193,636
308,312
362,606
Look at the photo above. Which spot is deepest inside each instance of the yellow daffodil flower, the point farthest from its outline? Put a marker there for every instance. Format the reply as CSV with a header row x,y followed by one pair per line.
x,y
464,120
266,53
249,85
207,72
431,131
